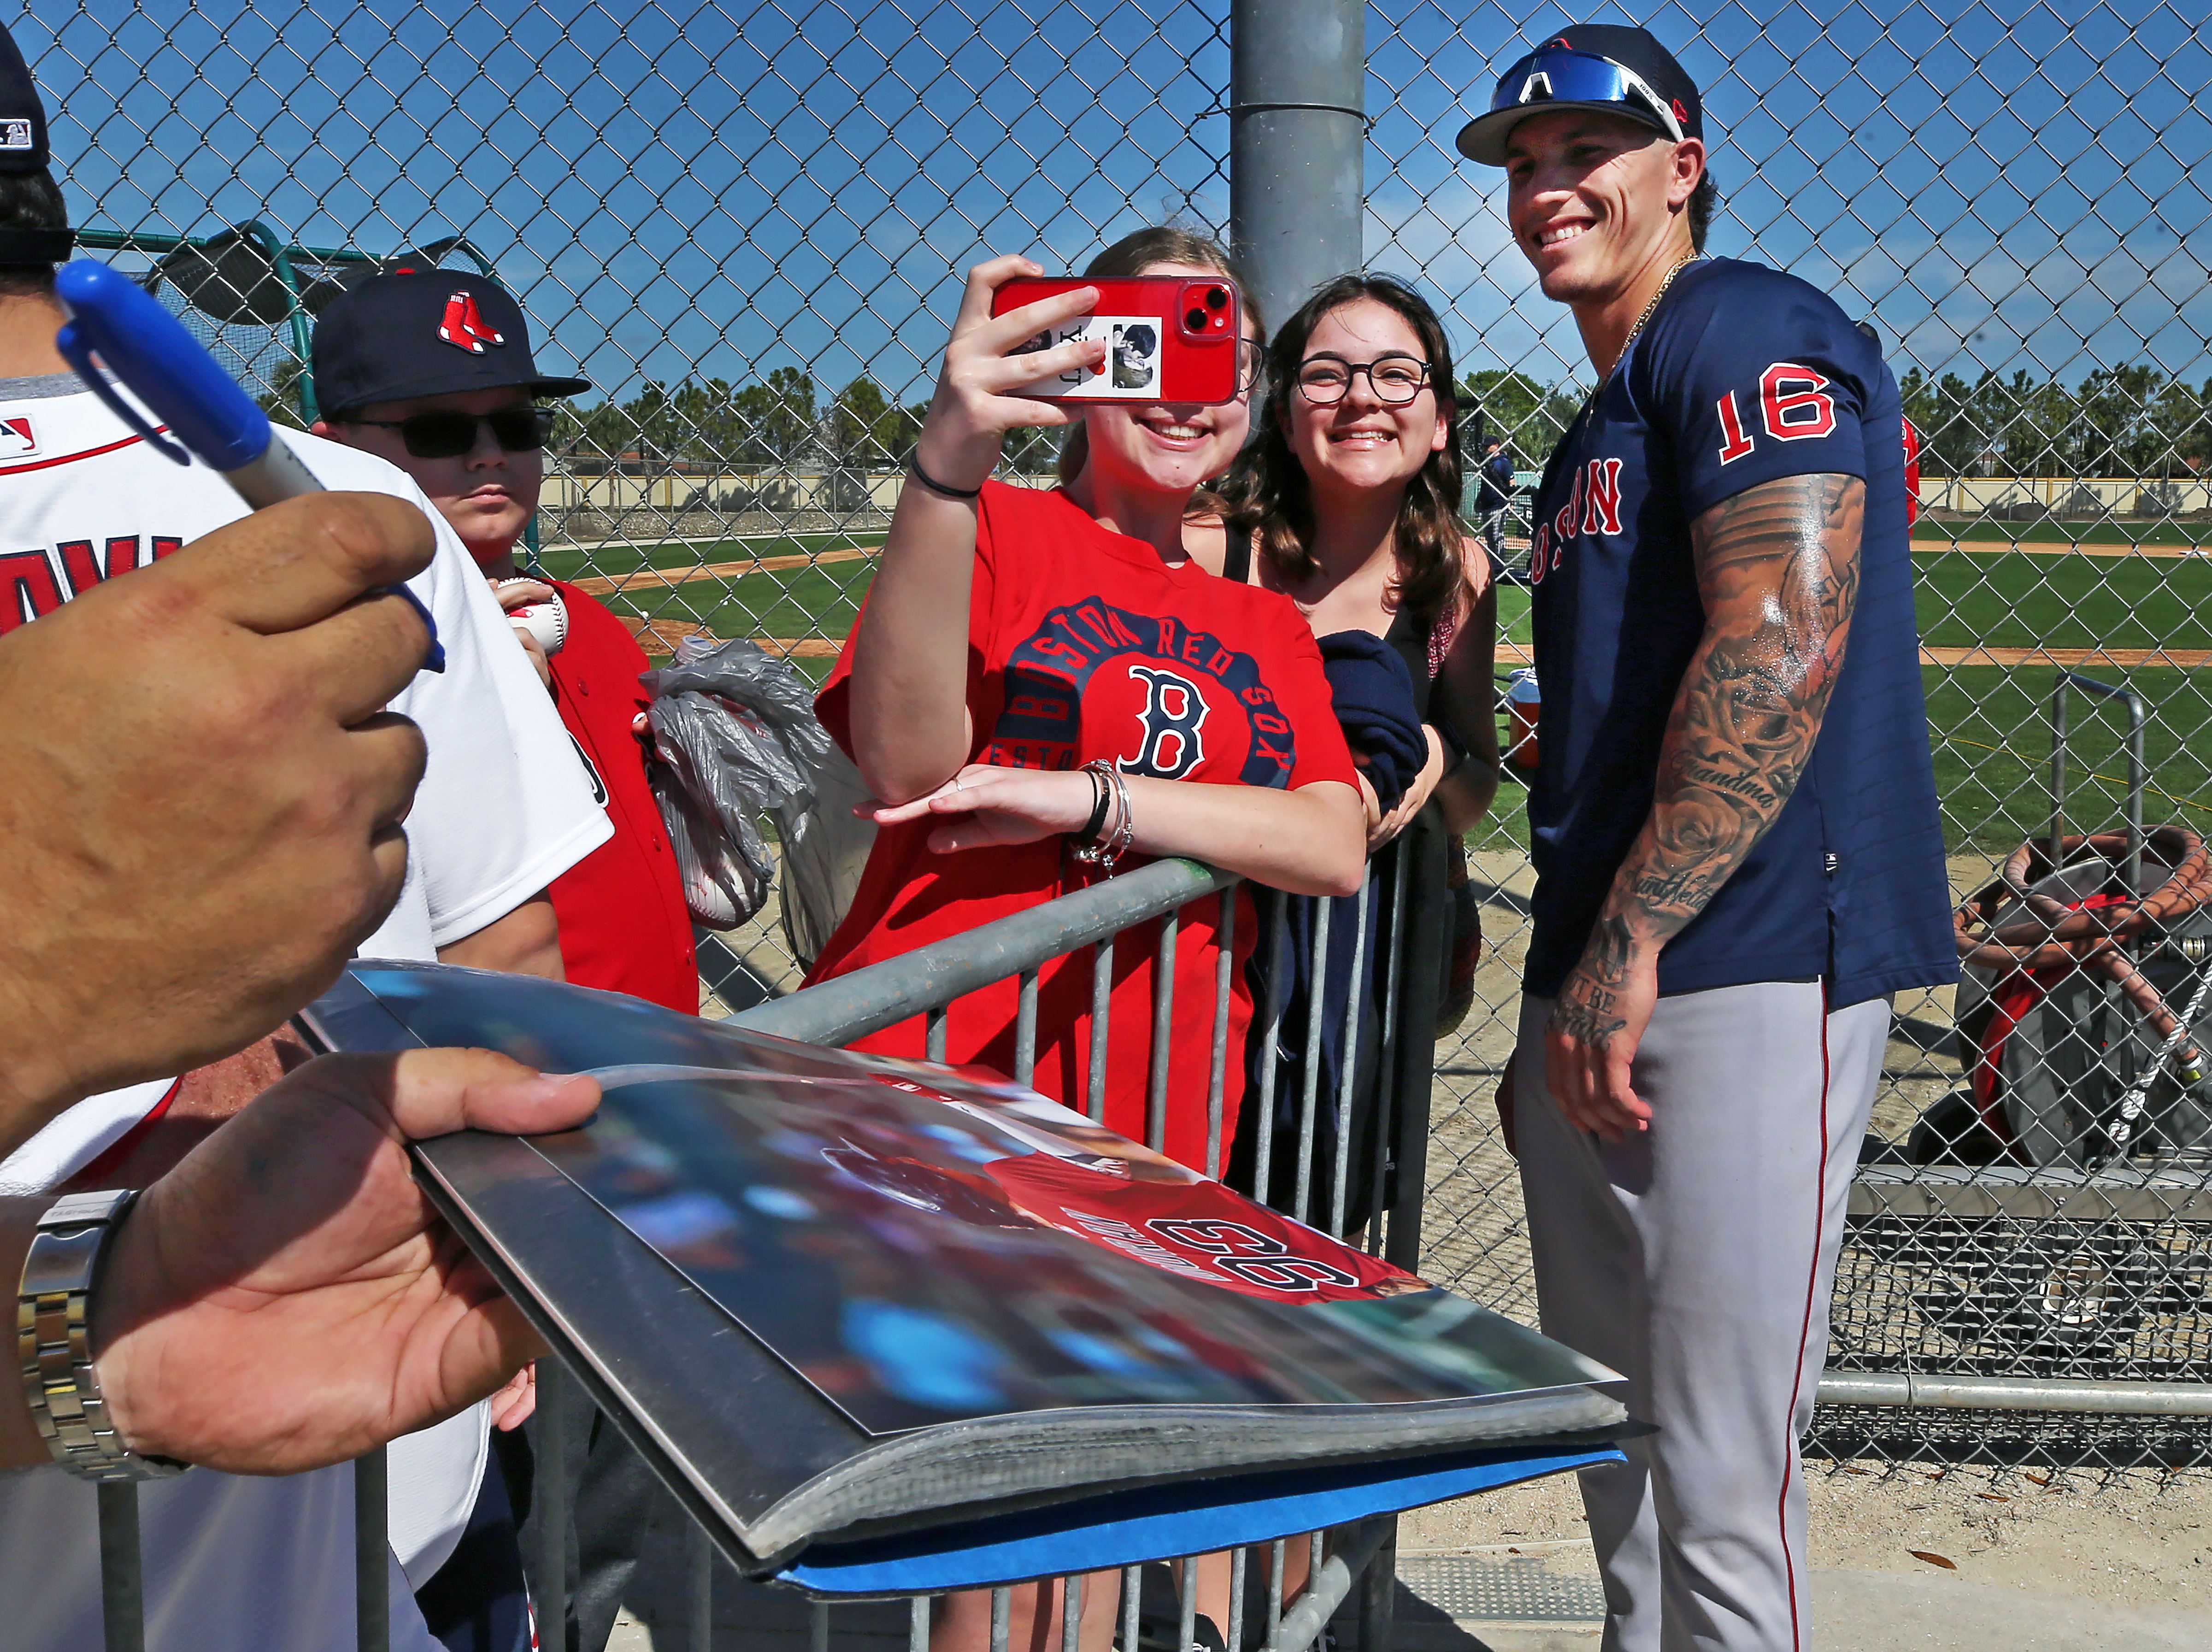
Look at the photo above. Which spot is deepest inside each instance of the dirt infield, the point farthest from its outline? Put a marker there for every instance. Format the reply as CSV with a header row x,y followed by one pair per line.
x,y
601,585
2053,548
659,637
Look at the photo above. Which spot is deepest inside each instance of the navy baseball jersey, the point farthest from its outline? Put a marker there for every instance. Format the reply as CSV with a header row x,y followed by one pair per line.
x,y
1743,375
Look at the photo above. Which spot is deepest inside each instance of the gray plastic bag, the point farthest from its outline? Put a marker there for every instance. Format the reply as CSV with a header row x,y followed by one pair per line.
x,y
737,738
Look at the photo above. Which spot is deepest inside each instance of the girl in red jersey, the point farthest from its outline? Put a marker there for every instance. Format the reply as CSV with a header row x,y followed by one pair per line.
x,y
1016,638
1037,673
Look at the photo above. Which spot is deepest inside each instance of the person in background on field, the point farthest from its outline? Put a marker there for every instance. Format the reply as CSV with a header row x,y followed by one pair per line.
x,y
1493,497
1046,684
1734,822
1349,496
432,370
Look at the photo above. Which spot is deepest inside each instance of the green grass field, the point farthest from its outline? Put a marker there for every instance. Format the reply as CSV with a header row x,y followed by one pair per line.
x,y
1989,723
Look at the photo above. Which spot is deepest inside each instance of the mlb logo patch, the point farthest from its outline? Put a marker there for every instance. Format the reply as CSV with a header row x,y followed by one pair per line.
x,y
16,135
17,438
463,326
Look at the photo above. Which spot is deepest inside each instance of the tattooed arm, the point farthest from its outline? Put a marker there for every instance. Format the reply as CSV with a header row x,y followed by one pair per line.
x,y
1778,572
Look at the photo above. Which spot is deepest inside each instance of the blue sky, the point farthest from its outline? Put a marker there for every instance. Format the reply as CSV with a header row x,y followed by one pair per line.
x,y
733,189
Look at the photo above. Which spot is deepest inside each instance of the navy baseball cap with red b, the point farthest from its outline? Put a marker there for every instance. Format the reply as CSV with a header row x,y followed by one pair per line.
x,y
1607,67
23,148
424,332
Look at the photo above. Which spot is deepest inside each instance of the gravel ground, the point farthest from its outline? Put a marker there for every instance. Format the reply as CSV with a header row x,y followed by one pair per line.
x,y
2136,1539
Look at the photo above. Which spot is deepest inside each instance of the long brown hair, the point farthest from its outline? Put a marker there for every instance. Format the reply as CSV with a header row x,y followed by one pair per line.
x,y
1155,244
1271,497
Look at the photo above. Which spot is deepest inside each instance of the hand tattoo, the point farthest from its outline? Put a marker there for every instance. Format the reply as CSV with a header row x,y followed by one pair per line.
x,y
1586,1025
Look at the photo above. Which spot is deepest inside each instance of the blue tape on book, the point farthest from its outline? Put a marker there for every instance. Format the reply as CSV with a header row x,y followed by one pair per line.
x,y
1157,1522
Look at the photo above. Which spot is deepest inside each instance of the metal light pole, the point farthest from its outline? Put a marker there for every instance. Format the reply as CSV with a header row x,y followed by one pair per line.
x,y
1298,131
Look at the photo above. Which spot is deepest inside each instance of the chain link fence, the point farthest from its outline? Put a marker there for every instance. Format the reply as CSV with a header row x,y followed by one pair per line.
x,y
745,224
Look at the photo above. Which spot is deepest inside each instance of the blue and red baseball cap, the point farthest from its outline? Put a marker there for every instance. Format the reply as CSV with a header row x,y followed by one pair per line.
x,y
424,332
1607,67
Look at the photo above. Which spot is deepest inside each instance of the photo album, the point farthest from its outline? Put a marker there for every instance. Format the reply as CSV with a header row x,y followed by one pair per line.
x,y
889,1327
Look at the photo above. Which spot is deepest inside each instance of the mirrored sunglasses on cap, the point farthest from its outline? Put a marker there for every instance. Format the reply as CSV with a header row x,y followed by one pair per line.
x,y
445,435
1556,74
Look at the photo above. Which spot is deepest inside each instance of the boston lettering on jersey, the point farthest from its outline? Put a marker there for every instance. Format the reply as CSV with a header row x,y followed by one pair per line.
x,y
1177,679
36,582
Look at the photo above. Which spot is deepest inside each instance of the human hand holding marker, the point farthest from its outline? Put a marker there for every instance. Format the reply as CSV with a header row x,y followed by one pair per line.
x,y
205,794
207,415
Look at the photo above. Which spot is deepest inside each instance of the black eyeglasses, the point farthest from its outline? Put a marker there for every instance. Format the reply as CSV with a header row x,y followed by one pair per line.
x,y
1396,378
1251,364
449,435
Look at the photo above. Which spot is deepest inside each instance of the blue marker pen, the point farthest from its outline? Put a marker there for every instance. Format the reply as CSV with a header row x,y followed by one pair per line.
x,y
210,417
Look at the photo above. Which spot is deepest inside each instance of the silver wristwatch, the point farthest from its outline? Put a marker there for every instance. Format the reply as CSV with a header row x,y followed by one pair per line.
x,y
53,1340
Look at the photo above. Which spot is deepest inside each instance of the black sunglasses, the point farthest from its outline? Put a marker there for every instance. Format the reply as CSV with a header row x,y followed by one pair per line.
x,y
449,435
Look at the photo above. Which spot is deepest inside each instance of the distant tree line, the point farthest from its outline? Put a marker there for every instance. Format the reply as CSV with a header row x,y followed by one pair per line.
x,y
2117,422
2130,421
779,423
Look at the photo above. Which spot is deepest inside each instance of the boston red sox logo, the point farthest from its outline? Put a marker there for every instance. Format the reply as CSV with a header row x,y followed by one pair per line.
x,y
463,326
1174,711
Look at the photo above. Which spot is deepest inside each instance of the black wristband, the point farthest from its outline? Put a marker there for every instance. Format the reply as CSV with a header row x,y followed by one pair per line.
x,y
913,469
1100,797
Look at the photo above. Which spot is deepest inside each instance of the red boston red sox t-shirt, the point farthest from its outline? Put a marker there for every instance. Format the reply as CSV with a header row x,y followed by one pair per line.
x,y
623,925
1084,645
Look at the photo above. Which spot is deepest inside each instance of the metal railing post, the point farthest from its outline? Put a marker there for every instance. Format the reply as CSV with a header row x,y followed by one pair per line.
x,y
372,1547
548,1505
1421,990
122,1578
1297,137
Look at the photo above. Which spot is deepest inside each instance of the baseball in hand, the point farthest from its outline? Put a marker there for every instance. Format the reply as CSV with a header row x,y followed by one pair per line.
x,y
546,620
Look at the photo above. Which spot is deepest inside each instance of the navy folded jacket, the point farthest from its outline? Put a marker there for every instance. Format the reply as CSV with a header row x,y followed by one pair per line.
x,y
1373,693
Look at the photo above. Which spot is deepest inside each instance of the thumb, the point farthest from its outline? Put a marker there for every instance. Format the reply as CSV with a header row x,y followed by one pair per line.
x,y
436,1092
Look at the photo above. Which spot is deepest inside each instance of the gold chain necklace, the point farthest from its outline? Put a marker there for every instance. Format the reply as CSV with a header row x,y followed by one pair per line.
x,y
1682,265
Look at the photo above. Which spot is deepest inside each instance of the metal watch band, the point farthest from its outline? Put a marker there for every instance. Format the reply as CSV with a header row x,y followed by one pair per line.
x,y
53,1340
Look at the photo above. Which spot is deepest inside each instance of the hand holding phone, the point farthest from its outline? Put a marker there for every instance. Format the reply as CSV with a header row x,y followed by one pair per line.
x,y
1168,338
976,404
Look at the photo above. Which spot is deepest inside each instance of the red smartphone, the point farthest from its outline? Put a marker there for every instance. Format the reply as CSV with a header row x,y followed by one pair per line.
x,y
1168,338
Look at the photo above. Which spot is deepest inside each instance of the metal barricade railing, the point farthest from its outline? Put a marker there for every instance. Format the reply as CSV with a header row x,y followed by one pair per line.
x,y
1406,878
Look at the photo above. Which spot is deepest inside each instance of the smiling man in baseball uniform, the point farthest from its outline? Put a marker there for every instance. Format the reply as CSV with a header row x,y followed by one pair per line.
x,y
1734,825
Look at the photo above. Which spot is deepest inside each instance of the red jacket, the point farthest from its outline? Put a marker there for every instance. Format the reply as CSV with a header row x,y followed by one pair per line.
x,y
623,925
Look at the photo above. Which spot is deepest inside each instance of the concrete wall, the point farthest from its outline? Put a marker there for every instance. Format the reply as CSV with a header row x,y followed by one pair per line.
x,y
783,494
2067,497
788,492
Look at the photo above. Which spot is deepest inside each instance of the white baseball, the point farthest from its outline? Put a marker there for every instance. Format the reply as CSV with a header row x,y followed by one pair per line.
x,y
546,620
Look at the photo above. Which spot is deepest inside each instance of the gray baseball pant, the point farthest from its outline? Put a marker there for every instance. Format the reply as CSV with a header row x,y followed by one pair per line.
x,y
1698,1259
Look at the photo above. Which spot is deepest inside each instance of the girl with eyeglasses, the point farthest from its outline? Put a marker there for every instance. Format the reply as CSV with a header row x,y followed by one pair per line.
x,y
1347,502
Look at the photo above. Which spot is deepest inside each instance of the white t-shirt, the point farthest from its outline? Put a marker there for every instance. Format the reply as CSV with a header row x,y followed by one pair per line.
x,y
235,1564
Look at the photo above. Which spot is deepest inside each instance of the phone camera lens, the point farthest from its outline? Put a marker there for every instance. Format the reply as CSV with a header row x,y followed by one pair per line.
x,y
1195,320
1216,298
